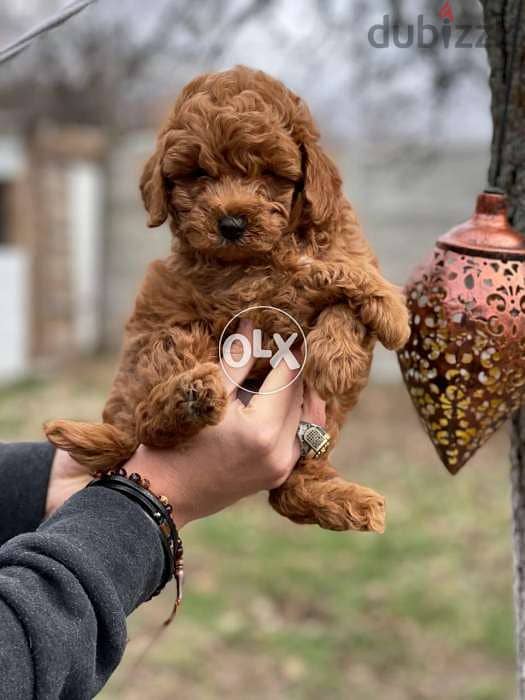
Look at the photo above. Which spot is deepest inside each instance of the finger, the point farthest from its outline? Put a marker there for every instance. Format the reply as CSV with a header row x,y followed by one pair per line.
x,y
287,443
285,372
314,408
285,447
289,456
277,393
292,418
237,358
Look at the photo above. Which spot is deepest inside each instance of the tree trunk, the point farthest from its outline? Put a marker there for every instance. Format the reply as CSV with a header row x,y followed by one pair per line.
x,y
501,19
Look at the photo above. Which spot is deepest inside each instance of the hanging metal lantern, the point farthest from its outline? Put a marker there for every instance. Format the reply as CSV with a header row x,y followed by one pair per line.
x,y
464,364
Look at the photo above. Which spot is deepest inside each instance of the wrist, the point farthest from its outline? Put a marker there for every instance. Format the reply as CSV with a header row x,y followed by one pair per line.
x,y
160,468
65,479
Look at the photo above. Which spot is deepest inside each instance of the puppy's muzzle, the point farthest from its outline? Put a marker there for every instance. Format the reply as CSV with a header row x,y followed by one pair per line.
x,y
232,227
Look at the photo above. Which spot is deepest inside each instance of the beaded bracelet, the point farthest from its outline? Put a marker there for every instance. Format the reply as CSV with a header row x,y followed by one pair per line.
x,y
159,509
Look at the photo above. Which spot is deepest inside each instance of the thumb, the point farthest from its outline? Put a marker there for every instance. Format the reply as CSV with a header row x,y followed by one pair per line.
x,y
236,356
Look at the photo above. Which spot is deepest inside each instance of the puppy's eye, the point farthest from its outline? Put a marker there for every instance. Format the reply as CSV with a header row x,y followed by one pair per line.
x,y
199,172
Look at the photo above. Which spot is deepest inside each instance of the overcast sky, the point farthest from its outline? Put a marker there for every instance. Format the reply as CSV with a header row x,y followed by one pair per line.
x,y
327,64
327,74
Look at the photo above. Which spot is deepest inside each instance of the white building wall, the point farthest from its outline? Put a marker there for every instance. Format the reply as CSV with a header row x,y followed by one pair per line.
x,y
14,312
85,204
12,156
14,278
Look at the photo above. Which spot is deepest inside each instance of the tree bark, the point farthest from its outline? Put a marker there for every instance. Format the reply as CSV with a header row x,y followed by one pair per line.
x,y
517,475
501,18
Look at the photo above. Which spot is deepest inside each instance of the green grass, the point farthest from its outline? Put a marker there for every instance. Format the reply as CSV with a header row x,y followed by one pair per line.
x,y
272,609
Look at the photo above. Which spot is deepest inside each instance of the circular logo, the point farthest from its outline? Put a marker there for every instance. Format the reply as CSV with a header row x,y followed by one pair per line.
x,y
253,347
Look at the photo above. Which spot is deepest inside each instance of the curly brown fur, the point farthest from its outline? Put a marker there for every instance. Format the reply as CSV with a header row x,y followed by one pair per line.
x,y
239,143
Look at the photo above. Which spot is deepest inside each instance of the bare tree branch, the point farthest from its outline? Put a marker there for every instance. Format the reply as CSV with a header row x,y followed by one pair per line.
x,y
53,22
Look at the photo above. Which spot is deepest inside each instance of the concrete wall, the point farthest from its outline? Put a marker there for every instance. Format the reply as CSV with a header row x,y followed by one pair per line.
x,y
14,316
130,244
49,256
14,268
406,199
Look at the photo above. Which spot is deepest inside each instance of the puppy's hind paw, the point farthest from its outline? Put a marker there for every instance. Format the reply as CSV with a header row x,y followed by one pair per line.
x,y
351,507
181,406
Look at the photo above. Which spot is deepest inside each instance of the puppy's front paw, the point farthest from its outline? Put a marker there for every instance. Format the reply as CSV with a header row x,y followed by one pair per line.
x,y
181,406
333,367
387,316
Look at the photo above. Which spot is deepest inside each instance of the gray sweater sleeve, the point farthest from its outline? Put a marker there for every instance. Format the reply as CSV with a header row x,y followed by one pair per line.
x,y
24,476
65,591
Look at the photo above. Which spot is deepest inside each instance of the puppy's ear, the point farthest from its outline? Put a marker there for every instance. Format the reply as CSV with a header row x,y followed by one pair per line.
x,y
321,185
153,189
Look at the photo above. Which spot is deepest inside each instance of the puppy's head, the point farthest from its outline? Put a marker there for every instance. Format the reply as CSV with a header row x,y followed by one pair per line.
x,y
238,169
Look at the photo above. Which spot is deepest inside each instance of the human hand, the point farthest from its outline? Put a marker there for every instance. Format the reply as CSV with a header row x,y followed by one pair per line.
x,y
66,478
254,448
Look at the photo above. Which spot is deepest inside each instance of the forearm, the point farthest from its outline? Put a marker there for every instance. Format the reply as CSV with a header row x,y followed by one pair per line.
x,y
65,591
24,478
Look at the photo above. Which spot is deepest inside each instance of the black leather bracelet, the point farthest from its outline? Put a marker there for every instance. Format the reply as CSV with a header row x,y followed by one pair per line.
x,y
155,509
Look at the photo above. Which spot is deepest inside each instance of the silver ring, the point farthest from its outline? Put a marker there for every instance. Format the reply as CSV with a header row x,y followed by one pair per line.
x,y
313,438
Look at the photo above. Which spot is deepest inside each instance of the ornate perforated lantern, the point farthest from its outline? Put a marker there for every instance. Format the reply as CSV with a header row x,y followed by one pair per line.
x,y
464,364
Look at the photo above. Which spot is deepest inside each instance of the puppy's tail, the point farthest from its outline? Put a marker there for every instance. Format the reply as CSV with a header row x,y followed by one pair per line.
x,y
97,446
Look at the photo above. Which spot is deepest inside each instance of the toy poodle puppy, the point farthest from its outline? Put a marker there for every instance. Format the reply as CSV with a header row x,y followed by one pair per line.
x,y
258,217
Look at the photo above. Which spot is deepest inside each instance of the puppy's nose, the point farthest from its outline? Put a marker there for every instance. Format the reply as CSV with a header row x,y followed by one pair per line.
x,y
232,227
